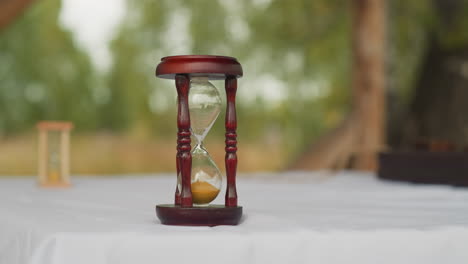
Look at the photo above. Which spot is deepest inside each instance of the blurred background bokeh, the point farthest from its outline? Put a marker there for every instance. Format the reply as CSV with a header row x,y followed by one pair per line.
x,y
92,63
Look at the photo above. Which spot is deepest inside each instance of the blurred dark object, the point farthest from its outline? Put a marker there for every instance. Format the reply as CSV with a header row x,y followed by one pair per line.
x,y
439,165
438,105
434,145
432,136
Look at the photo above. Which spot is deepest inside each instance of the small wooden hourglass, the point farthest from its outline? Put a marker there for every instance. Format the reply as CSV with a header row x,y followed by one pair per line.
x,y
199,104
54,153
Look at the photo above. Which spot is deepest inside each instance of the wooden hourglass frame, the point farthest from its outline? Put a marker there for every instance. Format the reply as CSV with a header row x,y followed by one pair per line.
x,y
182,69
59,176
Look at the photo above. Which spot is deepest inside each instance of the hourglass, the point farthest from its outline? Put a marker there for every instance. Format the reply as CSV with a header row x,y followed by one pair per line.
x,y
54,153
199,104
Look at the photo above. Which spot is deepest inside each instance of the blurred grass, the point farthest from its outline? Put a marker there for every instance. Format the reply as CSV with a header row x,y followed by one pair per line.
x,y
105,153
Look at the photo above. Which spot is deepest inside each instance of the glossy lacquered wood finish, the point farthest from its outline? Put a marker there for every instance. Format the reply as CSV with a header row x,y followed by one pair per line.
x,y
212,215
182,68
184,156
231,141
215,67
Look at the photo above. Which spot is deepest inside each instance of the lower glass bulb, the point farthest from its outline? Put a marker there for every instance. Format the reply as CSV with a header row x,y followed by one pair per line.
x,y
206,177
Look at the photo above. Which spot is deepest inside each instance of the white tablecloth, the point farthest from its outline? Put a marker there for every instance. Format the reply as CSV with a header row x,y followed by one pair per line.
x,y
289,218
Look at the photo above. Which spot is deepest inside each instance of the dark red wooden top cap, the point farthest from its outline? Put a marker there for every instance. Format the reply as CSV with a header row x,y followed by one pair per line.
x,y
214,67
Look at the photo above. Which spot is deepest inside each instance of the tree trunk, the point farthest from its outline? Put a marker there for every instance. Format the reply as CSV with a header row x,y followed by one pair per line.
x,y
361,134
369,79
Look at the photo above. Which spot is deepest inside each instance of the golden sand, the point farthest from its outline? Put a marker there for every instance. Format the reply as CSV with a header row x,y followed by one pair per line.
x,y
203,192
54,180
53,176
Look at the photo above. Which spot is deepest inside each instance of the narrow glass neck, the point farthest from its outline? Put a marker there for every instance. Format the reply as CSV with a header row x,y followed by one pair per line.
x,y
199,147
198,138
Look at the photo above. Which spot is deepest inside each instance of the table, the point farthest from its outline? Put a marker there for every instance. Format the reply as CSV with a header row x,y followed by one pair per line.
x,y
298,217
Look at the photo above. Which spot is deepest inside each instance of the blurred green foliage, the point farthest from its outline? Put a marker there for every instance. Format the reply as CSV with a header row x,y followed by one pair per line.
x,y
296,81
42,73
296,56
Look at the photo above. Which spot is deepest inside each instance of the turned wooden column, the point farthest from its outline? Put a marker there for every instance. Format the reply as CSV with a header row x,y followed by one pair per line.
x,y
184,157
231,141
65,155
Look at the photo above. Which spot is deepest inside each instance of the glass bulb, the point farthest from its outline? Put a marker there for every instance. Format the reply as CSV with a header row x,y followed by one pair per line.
x,y
206,178
204,106
53,168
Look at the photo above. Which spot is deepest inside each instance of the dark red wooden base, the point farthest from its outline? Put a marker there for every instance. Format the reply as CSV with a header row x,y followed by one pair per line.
x,y
211,215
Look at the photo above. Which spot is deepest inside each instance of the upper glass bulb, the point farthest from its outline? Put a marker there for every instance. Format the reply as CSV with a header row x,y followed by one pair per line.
x,y
204,106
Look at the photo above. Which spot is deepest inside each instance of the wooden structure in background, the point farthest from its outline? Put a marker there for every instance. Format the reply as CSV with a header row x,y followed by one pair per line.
x,y
355,143
182,68
48,176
